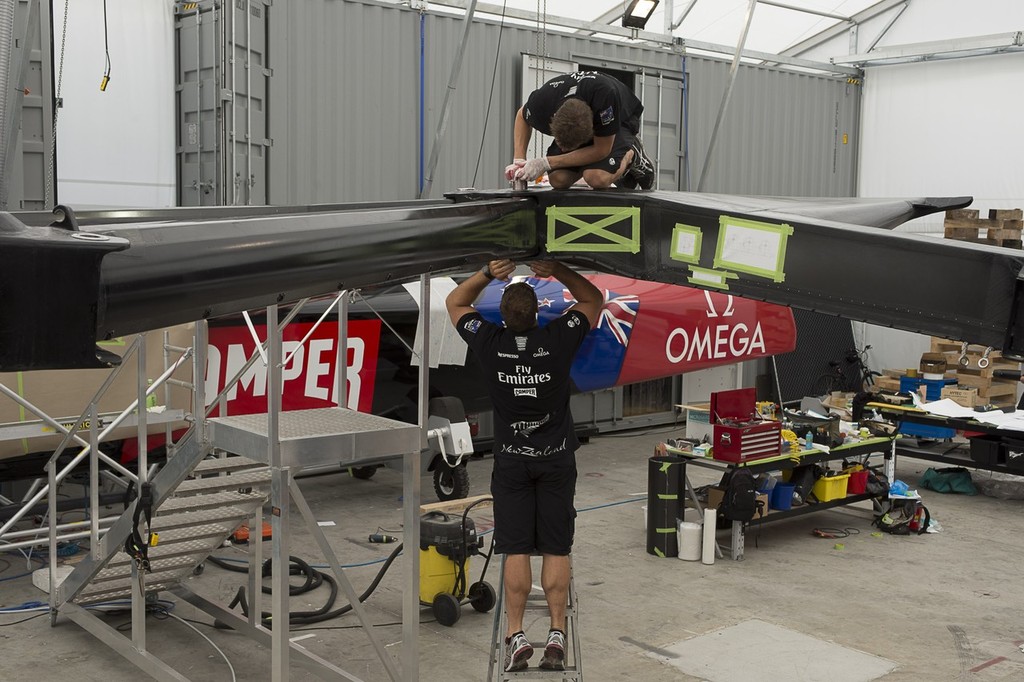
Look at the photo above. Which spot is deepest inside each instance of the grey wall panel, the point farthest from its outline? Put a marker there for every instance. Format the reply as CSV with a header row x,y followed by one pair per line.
x,y
782,134
32,114
344,115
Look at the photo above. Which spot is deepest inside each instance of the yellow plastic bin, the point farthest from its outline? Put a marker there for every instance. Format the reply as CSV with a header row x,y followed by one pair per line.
x,y
830,488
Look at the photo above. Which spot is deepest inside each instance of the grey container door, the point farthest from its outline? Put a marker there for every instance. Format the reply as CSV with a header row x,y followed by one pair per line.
x,y
222,83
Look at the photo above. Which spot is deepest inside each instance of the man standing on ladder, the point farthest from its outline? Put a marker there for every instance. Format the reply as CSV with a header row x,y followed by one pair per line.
x,y
526,369
595,120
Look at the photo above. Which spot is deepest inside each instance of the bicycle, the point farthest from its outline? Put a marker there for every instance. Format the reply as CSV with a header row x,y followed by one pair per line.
x,y
851,375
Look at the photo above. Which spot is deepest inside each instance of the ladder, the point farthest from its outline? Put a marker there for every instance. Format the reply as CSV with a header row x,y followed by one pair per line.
x,y
536,602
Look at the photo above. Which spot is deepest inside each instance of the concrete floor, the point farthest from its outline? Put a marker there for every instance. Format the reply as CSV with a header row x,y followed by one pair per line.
x,y
943,606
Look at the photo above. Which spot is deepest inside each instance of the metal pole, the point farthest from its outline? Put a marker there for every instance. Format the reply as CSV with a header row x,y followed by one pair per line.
x,y
218,143
233,164
657,151
411,491
342,374
248,105
669,9
141,399
682,17
806,10
733,71
442,124
279,504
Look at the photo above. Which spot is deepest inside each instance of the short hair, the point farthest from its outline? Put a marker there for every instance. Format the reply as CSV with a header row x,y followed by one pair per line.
x,y
519,307
573,125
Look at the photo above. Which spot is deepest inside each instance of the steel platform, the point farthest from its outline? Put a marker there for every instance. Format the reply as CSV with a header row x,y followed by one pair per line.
x,y
317,437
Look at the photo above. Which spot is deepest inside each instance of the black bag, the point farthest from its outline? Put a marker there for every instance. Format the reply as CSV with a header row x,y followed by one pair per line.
x,y
907,518
739,501
803,478
877,484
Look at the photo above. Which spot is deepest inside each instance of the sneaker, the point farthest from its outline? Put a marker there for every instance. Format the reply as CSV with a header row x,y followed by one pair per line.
x,y
554,651
518,651
641,170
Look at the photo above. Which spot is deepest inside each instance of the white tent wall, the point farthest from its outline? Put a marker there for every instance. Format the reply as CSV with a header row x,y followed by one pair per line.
x,y
116,148
938,127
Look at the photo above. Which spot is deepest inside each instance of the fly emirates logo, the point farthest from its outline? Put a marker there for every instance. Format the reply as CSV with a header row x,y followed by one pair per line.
x,y
714,338
524,376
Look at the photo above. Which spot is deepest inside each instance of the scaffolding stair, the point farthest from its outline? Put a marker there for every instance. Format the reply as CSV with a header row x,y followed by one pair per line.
x,y
198,504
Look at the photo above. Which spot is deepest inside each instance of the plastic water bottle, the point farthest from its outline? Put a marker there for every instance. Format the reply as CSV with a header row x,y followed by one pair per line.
x,y
809,441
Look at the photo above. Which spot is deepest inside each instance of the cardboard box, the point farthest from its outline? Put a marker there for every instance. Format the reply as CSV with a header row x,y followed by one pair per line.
x,y
698,421
65,394
715,495
968,397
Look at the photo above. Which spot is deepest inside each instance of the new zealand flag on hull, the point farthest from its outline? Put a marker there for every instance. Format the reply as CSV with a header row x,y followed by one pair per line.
x,y
599,360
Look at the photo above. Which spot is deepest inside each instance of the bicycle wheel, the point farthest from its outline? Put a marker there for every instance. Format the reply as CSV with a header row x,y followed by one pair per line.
x,y
825,384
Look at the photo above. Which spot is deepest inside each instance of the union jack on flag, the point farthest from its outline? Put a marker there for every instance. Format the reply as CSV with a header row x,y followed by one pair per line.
x,y
618,315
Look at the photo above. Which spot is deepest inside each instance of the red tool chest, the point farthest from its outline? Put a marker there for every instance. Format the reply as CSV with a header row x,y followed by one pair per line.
x,y
740,435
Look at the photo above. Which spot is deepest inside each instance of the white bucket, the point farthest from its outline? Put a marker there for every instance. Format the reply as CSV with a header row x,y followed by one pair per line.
x,y
690,538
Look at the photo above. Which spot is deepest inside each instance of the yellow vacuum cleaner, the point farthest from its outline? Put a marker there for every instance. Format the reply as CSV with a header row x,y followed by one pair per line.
x,y
446,544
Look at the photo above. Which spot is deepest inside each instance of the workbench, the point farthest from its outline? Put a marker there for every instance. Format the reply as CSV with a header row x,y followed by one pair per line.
x,y
855,451
944,452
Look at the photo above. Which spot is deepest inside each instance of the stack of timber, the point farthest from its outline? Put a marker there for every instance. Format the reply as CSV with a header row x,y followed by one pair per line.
x,y
1001,228
991,390
889,380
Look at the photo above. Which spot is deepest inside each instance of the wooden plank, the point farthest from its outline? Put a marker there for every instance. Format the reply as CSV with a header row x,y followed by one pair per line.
x,y
996,390
962,214
980,222
960,233
1005,214
971,379
1011,234
452,506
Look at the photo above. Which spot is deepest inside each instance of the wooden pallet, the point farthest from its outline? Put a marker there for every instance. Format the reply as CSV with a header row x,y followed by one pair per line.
x,y
1002,227
991,389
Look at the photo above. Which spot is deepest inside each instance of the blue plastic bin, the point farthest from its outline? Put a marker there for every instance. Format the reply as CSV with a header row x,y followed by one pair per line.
x,y
781,496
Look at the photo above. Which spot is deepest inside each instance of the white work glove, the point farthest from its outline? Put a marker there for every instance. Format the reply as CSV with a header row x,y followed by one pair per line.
x,y
533,169
510,170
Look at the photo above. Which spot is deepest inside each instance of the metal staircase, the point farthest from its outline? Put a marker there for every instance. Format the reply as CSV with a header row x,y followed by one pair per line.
x,y
197,505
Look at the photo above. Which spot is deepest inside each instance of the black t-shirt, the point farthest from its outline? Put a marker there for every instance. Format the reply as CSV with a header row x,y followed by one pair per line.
x,y
613,104
527,377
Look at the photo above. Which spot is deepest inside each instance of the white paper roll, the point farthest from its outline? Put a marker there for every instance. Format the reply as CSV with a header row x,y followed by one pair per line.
x,y
710,523
689,541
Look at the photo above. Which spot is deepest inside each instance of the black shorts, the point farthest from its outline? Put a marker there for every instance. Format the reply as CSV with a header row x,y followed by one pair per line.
x,y
533,504
624,139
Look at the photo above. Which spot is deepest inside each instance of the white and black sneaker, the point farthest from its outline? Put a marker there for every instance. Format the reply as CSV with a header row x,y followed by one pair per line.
x,y
518,651
641,171
554,651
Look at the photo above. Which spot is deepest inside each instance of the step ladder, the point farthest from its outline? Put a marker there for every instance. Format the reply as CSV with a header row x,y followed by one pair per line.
x,y
536,602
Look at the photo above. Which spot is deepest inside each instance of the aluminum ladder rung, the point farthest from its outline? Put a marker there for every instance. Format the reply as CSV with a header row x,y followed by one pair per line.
x,y
183,519
239,481
194,502
535,602
119,591
217,465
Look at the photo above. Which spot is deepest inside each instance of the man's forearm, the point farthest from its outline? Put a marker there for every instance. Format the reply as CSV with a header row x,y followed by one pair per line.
x,y
521,134
466,293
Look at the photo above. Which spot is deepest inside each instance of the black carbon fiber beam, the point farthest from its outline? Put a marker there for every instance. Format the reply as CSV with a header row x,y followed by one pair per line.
x,y
49,295
932,286
174,271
